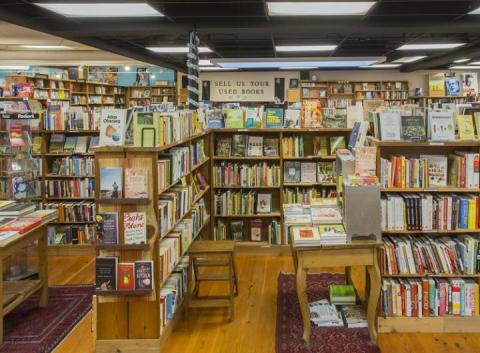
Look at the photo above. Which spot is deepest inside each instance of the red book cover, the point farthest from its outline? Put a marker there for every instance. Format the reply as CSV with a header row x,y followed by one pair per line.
x,y
126,276
418,261
443,299
404,298
425,296
21,225
462,171
414,299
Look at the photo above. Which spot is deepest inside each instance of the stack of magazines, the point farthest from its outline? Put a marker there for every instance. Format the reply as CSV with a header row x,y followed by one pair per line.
x,y
324,314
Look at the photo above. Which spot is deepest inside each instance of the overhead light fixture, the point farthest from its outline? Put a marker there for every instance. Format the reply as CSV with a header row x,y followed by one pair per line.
x,y
177,50
14,67
464,67
216,68
303,48
152,76
475,12
28,46
409,59
205,62
459,61
275,63
324,8
128,9
430,46
382,66
474,63
298,68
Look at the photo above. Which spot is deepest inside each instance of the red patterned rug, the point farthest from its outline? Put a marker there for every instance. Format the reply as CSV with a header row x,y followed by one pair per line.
x,y
30,329
323,339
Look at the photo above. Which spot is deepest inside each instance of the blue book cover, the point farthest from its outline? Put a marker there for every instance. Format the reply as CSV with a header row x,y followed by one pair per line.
x,y
107,227
354,136
111,181
274,118
143,274
463,214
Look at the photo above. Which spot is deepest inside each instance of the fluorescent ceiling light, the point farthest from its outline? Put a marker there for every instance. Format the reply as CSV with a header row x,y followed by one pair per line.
x,y
216,68
14,67
45,46
464,67
298,68
290,48
205,62
177,50
474,63
459,61
382,66
327,8
430,46
409,59
130,9
475,12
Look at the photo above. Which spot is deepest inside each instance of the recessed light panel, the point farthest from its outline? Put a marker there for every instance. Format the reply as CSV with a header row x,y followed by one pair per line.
x,y
382,66
216,68
464,67
430,46
409,59
128,9
459,61
14,67
304,48
324,8
177,50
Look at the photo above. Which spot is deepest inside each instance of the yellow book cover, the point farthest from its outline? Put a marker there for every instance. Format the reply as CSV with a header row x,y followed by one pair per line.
x,y
476,118
477,294
465,127
436,85
471,214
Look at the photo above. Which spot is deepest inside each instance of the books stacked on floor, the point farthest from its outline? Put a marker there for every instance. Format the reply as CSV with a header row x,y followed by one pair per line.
x,y
455,170
111,275
427,212
324,314
73,166
246,146
429,297
354,316
77,188
430,255
308,172
342,294
74,211
242,174
60,143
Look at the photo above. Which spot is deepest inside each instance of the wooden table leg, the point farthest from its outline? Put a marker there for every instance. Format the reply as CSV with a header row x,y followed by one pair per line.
x,y
301,278
373,296
1,304
348,275
43,267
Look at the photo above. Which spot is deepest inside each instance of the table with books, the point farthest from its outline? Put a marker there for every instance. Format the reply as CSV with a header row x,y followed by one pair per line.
x,y
19,228
354,253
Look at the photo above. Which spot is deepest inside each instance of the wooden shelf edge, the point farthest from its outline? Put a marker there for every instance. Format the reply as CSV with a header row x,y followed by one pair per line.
x,y
441,324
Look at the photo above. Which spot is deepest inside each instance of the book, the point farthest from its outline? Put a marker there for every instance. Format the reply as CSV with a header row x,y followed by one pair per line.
x,y
305,236
354,114
264,203
44,215
469,83
256,230
94,141
252,119
223,147
21,225
237,230
16,135
20,186
442,127
436,85
291,172
135,227
255,146
81,145
274,118
413,128
234,119
270,147
106,272
342,294
437,169
16,209
239,145
365,161
107,227
292,118
146,126
390,126
57,141
337,142
143,274
465,127
126,276
308,172
70,144
112,127
5,203
324,314
6,235
111,182
354,316
452,87
136,180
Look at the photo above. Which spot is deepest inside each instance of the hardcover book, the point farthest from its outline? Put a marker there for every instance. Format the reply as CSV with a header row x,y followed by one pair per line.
x,y
146,126
252,119
342,294
465,127
107,227
144,274
106,272
57,142
239,145
365,161
126,276
21,225
469,83
234,119
16,209
291,172
390,126
135,227
136,183
256,230
442,127
255,146
274,118
437,169
19,187
308,172
354,316
452,86
292,118
264,203
111,181
237,230
336,142
270,147
436,85
70,144
81,145
112,127
223,147
413,128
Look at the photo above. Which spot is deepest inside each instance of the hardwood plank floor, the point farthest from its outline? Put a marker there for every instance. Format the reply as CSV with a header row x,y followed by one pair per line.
x,y
253,329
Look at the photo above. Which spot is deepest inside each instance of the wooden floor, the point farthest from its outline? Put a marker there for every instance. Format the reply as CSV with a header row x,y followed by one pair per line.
x,y
253,330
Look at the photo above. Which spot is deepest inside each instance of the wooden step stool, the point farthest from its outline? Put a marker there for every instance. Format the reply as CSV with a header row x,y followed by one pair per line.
x,y
212,254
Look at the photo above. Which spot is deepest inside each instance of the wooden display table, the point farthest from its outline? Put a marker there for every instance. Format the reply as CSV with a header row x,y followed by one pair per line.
x,y
13,293
356,253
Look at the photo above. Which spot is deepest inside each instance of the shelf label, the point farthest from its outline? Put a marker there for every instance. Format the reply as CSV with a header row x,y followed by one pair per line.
x,y
242,130
437,143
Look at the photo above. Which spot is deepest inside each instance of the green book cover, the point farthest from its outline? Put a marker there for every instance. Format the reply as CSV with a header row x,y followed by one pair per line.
x,y
234,119
342,293
145,129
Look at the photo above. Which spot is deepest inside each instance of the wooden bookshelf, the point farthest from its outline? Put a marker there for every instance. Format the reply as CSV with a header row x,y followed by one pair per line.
x,y
144,95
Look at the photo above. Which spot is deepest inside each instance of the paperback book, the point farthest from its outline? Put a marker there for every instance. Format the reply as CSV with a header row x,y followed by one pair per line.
x,y
106,272
274,118
264,203
413,128
239,145
112,127
126,276
136,183
135,227
107,227
111,181
255,146
144,274
466,131
442,127
270,147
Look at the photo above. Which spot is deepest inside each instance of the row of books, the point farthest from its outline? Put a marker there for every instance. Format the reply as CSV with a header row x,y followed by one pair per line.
x,y
134,228
242,174
382,95
73,166
72,234
426,212
429,255
246,145
197,152
304,195
112,275
59,143
73,211
177,162
294,146
71,118
100,100
311,236
172,206
76,188
319,211
254,230
429,297
308,172
455,170
242,203
112,185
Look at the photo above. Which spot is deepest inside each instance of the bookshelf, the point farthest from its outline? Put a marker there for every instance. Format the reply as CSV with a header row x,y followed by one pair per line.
x,y
443,322
144,95
223,165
